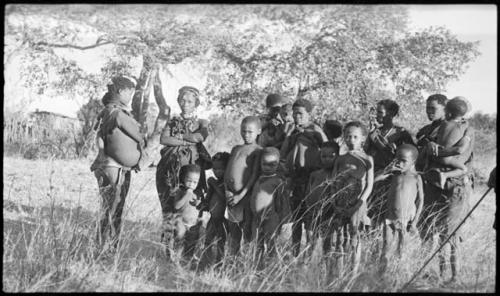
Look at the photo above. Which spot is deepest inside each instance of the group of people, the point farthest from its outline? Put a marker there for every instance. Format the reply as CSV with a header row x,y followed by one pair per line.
x,y
333,181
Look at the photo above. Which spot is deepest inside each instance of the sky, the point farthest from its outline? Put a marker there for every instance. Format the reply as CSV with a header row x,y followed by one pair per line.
x,y
469,23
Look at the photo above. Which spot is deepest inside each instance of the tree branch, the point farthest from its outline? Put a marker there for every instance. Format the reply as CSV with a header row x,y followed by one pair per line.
x,y
67,45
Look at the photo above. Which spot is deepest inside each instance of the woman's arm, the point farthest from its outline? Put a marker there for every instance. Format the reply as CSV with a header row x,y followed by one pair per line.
x,y
200,135
369,180
168,140
462,146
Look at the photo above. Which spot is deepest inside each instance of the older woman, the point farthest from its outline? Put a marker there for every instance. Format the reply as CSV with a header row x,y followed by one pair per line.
x,y
183,138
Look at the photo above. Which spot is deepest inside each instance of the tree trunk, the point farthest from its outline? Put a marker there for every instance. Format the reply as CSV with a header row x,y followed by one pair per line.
x,y
151,115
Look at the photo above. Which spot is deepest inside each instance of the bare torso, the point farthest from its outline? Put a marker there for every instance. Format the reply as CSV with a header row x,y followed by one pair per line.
x,y
401,198
263,193
239,168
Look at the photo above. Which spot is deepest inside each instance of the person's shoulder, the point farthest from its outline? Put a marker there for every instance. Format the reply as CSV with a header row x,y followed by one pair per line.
x,y
203,122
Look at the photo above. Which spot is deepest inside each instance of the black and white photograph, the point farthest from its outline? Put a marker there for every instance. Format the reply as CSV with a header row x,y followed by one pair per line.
x,y
250,148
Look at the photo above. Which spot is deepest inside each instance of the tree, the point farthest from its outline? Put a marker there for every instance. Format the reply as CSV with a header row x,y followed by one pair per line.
x,y
343,58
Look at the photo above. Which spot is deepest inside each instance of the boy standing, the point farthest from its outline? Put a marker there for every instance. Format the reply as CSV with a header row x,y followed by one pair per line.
x,y
240,175
217,225
269,202
405,200
317,199
300,152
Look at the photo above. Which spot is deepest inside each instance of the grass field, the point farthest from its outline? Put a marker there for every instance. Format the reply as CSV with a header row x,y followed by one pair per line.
x,y
49,225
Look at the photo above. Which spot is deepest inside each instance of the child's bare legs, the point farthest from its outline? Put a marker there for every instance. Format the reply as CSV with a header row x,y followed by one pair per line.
x,y
401,239
299,211
386,246
355,246
454,262
190,239
235,234
246,224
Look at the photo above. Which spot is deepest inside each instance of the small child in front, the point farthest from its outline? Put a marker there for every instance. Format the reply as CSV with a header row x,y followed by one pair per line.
x,y
269,202
449,134
317,198
352,184
217,225
186,212
405,200
241,172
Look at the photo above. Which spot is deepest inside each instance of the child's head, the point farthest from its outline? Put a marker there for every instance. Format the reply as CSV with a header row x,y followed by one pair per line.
x,y
386,111
273,100
332,128
406,155
250,129
189,175
328,153
219,163
456,108
354,135
188,99
435,106
122,87
301,109
286,112
270,159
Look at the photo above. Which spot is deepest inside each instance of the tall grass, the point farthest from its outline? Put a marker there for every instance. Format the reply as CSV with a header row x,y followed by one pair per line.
x,y
48,246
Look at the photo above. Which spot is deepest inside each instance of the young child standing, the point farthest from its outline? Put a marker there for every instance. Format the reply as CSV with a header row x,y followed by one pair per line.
x,y
240,175
300,153
352,184
185,220
405,200
217,225
317,198
269,202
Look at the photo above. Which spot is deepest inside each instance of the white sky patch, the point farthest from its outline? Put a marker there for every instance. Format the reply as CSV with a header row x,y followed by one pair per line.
x,y
469,23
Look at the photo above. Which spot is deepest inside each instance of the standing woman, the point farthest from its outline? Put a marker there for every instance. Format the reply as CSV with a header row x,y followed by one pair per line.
x,y
183,138
381,144
121,147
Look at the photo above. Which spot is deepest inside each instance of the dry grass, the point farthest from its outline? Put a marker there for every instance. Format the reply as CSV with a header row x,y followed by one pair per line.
x,y
49,225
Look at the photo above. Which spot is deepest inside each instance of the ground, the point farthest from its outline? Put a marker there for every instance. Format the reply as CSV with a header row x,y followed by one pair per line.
x,y
49,218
